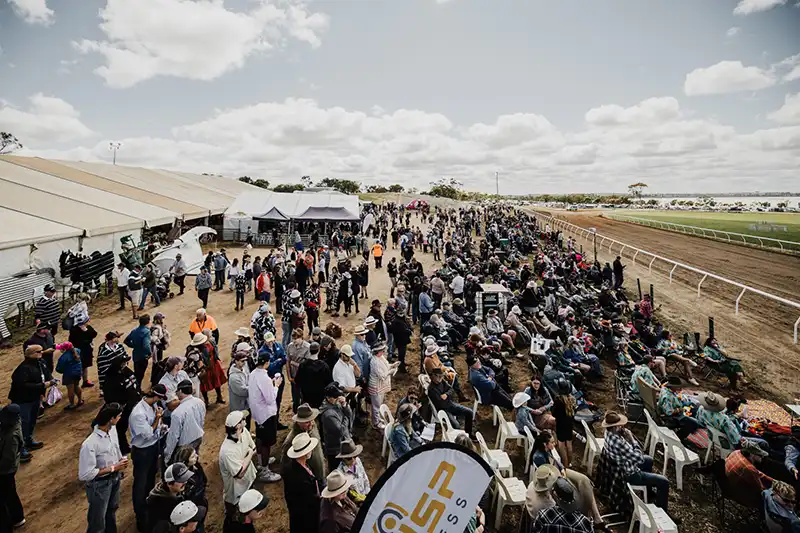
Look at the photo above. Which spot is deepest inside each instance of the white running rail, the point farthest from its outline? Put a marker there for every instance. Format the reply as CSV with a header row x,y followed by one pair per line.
x,y
637,252
725,236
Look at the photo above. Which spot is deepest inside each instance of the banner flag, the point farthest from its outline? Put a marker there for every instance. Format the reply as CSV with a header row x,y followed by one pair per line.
x,y
432,489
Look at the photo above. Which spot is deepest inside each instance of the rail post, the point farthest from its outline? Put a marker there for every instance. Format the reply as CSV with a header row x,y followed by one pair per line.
x,y
650,266
639,286
699,284
739,298
797,322
673,270
634,257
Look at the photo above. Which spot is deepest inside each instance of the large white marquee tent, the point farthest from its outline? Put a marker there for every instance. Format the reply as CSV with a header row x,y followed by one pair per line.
x,y
49,206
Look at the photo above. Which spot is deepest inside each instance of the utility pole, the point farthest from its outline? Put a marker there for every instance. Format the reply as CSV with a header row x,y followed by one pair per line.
x,y
497,182
594,234
114,146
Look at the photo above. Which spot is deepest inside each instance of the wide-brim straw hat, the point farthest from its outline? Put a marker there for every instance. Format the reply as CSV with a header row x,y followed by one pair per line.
x,y
713,402
614,419
545,477
305,413
198,339
370,321
242,332
360,330
302,445
337,483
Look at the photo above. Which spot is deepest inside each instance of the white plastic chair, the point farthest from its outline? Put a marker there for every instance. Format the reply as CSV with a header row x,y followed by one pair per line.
x,y
529,440
499,459
506,431
654,432
425,382
651,519
508,492
675,450
387,418
593,448
716,438
476,402
386,432
448,433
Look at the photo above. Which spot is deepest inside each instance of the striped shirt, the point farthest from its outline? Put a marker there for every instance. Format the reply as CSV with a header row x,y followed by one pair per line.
x,y
105,354
47,311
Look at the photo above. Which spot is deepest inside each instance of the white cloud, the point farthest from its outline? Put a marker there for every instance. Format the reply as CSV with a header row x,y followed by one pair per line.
x,y
748,7
280,141
139,46
789,111
33,11
727,77
789,68
47,120
734,31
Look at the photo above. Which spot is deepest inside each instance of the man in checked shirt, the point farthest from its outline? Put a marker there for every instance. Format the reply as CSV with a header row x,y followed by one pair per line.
x,y
625,453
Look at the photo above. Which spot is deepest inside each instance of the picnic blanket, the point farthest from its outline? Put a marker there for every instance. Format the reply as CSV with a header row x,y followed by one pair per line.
x,y
767,410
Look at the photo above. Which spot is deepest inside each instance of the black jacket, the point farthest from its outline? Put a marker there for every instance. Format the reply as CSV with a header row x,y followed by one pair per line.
x,y
312,377
301,490
401,330
27,385
160,503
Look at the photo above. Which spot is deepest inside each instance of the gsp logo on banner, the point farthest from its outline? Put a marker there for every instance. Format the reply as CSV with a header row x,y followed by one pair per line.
x,y
432,489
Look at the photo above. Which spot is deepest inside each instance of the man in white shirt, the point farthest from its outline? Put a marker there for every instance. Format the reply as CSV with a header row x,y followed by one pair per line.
x,y
457,286
262,399
121,274
178,270
146,430
346,371
187,421
99,467
236,461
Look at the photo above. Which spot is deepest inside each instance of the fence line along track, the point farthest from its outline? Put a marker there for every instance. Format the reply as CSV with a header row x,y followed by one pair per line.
x,y
650,258
741,239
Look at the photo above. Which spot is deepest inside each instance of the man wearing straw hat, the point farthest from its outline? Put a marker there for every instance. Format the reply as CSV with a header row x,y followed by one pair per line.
x,y
337,511
564,517
301,487
236,466
304,421
538,498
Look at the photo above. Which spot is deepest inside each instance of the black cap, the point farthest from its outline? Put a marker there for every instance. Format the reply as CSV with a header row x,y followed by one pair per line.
x,y
157,391
186,386
333,391
471,359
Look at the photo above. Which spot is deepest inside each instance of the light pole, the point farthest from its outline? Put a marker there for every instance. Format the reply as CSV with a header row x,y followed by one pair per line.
x,y
497,182
114,146
594,233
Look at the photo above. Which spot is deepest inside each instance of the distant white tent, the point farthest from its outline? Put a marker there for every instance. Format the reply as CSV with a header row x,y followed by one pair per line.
x,y
250,207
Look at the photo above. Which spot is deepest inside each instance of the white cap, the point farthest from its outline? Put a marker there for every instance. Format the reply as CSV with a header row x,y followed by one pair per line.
x,y
252,499
234,418
186,512
244,347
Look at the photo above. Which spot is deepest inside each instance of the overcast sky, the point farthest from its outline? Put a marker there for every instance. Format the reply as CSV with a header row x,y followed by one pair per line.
x,y
555,95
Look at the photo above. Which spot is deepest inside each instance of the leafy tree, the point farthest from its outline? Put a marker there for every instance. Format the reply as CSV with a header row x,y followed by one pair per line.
x,y
447,188
288,187
343,186
246,179
8,143
264,184
377,189
636,189
396,188
306,181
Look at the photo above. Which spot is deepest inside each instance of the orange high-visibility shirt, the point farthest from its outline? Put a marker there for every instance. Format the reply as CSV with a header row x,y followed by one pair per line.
x,y
198,327
377,249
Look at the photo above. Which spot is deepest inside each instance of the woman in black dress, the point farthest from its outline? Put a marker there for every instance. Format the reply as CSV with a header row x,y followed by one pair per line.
x,y
121,387
564,407
82,337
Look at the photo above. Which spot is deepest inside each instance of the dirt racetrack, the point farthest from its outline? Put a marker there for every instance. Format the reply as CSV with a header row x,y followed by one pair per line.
x,y
761,334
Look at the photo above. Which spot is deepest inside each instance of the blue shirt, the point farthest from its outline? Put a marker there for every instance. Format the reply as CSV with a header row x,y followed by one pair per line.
x,y
362,355
277,357
426,304
139,341
480,379
141,426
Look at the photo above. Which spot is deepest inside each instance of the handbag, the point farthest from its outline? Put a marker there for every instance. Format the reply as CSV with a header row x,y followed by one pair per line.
x,y
53,395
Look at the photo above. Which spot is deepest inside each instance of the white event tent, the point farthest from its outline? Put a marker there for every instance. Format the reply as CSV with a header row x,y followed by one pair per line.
x,y
321,206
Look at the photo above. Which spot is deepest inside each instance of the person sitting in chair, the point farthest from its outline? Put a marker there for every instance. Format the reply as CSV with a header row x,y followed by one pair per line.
x,y
483,379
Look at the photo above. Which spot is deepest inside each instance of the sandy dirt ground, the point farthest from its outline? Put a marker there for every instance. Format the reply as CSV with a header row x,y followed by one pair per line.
x,y
760,335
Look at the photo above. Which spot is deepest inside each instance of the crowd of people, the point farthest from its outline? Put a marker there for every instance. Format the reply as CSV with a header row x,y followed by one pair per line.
x,y
574,309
